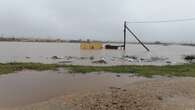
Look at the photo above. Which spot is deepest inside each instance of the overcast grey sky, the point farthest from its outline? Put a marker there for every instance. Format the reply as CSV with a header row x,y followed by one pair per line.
x,y
97,19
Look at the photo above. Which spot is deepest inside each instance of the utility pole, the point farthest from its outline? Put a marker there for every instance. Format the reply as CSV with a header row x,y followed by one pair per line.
x,y
125,26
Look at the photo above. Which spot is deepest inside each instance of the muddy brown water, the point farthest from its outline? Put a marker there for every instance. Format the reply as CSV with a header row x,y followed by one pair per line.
x,y
42,52
28,87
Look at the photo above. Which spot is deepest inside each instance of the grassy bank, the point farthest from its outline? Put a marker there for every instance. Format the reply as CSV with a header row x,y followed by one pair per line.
x,y
13,67
174,70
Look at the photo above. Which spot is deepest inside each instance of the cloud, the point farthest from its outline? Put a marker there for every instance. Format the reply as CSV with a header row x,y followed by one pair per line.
x,y
96,19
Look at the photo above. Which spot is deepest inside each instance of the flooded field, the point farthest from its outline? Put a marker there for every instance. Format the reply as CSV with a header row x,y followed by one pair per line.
x,y
70,53
27,87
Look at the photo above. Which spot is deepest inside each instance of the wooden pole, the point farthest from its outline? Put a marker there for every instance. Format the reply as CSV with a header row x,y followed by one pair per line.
x,y
125,26
137,38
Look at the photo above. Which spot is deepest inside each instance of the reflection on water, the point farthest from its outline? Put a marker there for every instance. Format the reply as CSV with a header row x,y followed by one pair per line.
x,y
42,52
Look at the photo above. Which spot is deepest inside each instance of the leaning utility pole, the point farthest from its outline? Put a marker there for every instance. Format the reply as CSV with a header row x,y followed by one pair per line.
x,y
126,28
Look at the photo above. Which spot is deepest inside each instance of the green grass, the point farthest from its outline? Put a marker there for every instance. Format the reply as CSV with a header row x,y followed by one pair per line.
x,y
12,67
148,71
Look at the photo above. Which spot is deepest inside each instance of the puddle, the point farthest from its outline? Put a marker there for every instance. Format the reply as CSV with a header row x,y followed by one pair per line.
x,y
27,87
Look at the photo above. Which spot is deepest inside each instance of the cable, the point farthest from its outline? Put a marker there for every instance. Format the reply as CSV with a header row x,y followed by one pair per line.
x,y
164,21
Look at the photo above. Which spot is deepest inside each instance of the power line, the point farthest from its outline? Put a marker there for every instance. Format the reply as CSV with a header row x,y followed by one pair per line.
x,y
164,21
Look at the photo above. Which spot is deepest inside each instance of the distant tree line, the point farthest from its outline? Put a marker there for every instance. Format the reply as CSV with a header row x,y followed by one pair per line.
x,y
16,39
13,39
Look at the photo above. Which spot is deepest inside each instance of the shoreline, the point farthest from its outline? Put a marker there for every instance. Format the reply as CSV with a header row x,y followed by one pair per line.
x,y
184,70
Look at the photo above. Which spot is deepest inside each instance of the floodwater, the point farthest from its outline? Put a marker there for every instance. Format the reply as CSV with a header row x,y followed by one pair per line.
x,y
71,52
27,87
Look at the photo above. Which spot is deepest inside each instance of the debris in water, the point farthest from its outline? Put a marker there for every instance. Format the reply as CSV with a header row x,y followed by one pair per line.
x,y
131,57
102,61
118,75
27,57
56,57
130,60
91,58
158,58
72,57
83,58
168,62
63,62
112,47
189,58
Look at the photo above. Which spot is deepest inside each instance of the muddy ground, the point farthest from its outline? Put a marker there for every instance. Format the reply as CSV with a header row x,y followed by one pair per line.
x,y
154,94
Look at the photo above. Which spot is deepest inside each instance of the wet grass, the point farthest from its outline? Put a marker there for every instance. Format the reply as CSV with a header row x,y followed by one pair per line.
x,y
13,67
148,71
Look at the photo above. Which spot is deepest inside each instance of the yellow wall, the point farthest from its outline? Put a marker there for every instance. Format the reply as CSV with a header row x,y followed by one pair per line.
x,y
91,45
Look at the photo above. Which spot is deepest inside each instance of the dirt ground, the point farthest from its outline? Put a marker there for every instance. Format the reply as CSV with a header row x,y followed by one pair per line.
x,y
154,94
